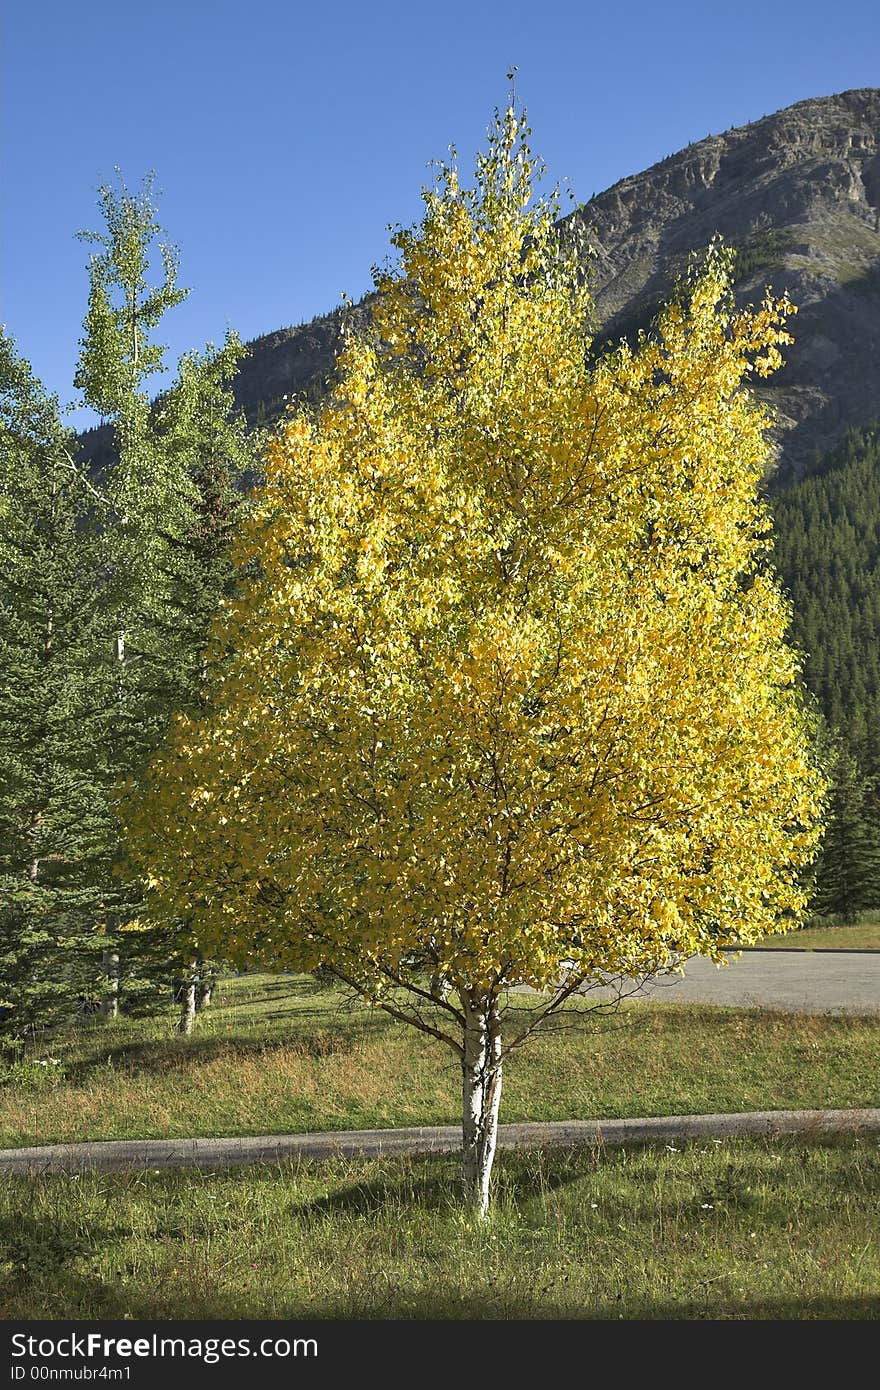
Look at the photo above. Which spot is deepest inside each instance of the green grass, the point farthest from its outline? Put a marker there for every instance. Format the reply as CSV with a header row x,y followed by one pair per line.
x,y
863,937
281,1055
733,1230
705,1230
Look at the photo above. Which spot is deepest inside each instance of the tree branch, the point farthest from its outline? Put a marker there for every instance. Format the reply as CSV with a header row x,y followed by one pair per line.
x,y
565,994
413,1020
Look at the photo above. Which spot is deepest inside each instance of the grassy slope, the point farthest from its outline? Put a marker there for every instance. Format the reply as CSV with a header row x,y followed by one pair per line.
x,y
755,1230
280,1055
865,937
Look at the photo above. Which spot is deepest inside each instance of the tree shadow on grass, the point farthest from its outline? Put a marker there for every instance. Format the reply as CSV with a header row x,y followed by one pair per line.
x,y
434,1184
524,1180
443,1304
77,1297
434,1192
38,1258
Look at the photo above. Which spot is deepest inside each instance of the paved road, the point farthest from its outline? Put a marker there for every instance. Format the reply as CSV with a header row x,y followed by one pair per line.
x,y
813,981
139,1154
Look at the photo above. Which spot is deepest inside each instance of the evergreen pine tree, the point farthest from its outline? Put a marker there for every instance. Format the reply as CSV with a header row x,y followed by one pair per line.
x,y
848,872
54,819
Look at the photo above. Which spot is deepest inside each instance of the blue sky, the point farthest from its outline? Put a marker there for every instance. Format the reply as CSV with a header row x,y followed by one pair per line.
x,y
286,136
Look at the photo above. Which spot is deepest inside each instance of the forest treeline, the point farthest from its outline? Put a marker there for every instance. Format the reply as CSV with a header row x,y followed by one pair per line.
x,y
827,550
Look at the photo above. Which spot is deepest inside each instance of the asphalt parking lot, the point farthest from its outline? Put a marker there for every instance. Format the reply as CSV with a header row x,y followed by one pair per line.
x,y
814,981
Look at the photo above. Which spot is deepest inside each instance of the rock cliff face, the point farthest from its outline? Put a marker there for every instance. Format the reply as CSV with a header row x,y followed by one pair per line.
x,y
798,195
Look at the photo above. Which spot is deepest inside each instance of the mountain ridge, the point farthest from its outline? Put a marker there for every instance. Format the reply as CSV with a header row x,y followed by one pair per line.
x,y
796,193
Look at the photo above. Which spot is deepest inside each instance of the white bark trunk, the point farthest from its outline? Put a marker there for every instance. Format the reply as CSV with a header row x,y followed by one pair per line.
x,y
188,1001
110,959
110,1001
481,1096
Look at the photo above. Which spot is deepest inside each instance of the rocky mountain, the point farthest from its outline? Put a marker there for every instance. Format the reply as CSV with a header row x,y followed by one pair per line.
x,y
797,193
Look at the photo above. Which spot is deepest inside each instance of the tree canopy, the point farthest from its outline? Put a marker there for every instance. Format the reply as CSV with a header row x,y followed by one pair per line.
x,y
505,697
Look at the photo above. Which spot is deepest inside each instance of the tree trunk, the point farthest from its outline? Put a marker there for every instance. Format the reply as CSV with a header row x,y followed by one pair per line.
x,y
188,1001
110,958
110,1001
203,993
439,986
481,1096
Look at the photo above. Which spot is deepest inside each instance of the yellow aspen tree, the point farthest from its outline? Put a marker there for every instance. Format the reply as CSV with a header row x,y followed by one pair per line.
x,y
506,699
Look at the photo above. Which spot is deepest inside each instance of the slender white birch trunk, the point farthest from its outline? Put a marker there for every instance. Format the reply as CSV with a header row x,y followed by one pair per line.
x,y
481,1096
110,999
110,958
188,1001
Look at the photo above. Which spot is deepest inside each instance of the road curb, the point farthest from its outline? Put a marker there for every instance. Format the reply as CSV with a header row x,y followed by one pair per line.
x,y
145,1154
806,950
